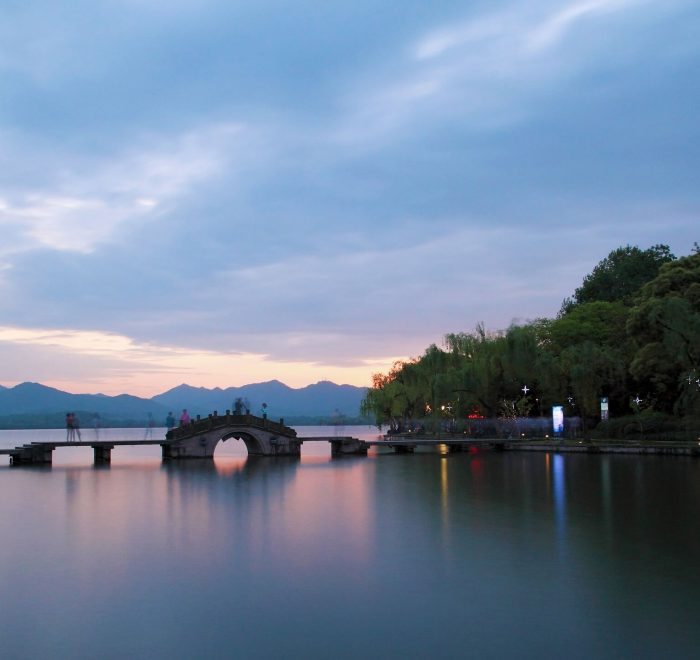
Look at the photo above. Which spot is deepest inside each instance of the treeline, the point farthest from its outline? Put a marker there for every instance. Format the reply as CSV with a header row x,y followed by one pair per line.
x,y
630,332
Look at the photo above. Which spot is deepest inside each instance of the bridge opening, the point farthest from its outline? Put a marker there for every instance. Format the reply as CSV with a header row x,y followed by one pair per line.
x,y
238,443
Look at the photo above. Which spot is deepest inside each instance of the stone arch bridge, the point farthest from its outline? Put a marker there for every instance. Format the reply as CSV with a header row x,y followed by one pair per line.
x,y
262,437
198,439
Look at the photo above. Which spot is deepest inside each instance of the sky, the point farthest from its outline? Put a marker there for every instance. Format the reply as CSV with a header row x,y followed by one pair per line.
x,y
225,192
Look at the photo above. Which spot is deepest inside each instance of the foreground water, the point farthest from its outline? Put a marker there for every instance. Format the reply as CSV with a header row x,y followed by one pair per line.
x,y
484,555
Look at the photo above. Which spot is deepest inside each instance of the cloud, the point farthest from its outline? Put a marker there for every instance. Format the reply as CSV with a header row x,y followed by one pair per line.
x,y
89,202
517,29
554,28
50,44
489,72
239,181
80,360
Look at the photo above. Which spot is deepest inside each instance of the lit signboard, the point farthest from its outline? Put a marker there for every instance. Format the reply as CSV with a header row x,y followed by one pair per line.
x,y
558,419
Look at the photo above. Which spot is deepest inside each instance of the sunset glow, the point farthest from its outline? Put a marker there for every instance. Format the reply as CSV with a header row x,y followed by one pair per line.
x,y
114,364
291,206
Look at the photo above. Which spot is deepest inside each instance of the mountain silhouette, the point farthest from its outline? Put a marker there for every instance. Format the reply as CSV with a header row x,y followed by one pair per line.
x,y
35,398
319,400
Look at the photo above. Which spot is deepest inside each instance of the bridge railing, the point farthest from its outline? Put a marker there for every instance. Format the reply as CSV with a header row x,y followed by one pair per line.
x,y
215,421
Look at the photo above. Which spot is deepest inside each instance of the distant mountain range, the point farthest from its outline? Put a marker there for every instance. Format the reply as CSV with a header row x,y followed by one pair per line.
x,y
321,399
28,404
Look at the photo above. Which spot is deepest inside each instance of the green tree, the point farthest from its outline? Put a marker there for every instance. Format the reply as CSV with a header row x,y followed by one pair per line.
x,y
665,326
478,360
386,400
620,275
436,380
592,370
603,323
632,327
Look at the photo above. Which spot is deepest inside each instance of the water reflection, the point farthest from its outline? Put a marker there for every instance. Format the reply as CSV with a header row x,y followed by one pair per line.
x,y
444,502
606,494
525,554
444,484
559,480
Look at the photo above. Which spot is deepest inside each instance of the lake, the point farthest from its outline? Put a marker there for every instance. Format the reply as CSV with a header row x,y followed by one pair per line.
x,y
483,555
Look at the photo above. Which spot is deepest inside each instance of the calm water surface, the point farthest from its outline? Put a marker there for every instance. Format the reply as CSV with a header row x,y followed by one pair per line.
x,y
483,555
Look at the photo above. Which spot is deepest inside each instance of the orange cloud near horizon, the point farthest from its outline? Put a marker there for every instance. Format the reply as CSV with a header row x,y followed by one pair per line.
x,y
90,362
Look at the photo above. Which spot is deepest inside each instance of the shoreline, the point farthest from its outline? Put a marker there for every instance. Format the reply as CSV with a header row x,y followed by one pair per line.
x,y
598,446
668,448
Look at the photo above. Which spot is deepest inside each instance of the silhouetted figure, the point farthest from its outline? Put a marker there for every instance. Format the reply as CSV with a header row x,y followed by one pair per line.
x,y
238,406
70,430
170,421
184,418
76,428
263,411
148,435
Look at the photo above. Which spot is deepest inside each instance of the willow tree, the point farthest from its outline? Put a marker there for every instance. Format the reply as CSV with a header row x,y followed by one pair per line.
x,y
386,400
478,373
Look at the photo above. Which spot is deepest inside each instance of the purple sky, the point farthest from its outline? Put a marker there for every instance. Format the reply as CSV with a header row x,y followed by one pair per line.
x,y
220,193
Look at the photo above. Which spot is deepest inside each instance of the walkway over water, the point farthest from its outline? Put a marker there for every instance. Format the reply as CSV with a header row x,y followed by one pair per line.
x,y
215,422
201,445
198,439
38,453
403,445
263,437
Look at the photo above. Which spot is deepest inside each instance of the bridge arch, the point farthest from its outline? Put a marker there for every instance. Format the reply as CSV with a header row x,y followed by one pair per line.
x,y
252,444
261,436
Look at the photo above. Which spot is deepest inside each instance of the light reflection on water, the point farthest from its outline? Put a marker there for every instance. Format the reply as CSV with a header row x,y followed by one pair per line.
x,y
559,479
380,556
